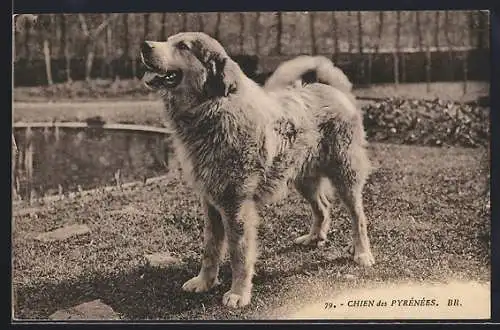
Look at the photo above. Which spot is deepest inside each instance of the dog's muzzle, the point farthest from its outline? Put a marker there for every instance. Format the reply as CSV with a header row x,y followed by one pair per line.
x,y
156,76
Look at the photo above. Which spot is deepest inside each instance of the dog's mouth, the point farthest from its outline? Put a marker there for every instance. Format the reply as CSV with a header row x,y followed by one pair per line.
x,y
170,79
155,77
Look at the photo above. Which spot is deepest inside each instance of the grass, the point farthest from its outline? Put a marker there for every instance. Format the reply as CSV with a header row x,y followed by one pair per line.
x,y
428,221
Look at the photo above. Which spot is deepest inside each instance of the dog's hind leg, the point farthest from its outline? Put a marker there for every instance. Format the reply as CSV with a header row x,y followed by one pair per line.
x,y
318,192
348,174
213,251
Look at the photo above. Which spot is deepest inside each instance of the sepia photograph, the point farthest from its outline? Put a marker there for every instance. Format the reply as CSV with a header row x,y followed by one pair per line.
x,y
312,165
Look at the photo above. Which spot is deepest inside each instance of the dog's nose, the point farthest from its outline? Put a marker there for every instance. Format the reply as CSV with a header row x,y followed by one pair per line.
x,y
147,47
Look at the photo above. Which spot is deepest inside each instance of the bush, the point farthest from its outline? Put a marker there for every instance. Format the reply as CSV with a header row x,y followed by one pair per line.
x,y
431,123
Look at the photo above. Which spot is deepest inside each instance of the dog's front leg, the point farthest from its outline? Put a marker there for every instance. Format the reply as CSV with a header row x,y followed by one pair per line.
x,y
241,227
213,251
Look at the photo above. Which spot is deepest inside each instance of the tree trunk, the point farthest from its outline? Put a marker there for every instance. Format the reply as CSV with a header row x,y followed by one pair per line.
x,y
217,26
27,41
201,23
163,33
126,45
483,32
257,34
420,38
64,49
449,44
242,32
349,34
397,50
428,57
184,22
105,53
110,52
279,33
436,29
335,36
419,31
312,32
146,26
58,34
361,62
360,31
380,31
89,61
48,64
471,25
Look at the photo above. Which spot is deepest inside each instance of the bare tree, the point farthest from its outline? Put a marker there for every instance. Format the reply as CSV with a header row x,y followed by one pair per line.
x,y
184,21
242,32
437,17
257,33
428,59
126,42
312,32
90,40
335,36
279,36
471,22
64,49
146,17
465,59
217,26
46,25
201,22
419,31
397,48
105,53
109,50
421,48
349,34
482,29
360,31
361,62
449,42
380,30
27,40
163,33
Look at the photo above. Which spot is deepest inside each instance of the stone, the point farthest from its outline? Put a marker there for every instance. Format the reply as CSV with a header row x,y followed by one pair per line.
x,y
93,310
63,233
161,259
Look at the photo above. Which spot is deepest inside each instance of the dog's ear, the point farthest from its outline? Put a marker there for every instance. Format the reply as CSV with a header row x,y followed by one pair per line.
x,y
222,77
222,72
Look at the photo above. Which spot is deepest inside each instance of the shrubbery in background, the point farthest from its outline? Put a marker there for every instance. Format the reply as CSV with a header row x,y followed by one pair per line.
x,y
424,122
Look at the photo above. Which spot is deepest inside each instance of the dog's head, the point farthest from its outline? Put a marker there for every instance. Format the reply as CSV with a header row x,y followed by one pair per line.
x,y
190,62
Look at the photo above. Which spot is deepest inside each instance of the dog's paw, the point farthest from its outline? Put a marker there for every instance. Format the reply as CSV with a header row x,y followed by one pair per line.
x,y
199,284
234,300
311,239
364,259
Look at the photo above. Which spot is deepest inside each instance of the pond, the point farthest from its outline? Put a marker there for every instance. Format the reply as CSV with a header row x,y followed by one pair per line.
x,y
55,158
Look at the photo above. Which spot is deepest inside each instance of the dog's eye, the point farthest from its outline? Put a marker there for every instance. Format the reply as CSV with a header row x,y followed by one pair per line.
x,y
182,46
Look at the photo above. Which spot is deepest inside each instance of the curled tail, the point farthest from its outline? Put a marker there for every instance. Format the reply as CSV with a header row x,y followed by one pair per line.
x,y
290,72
